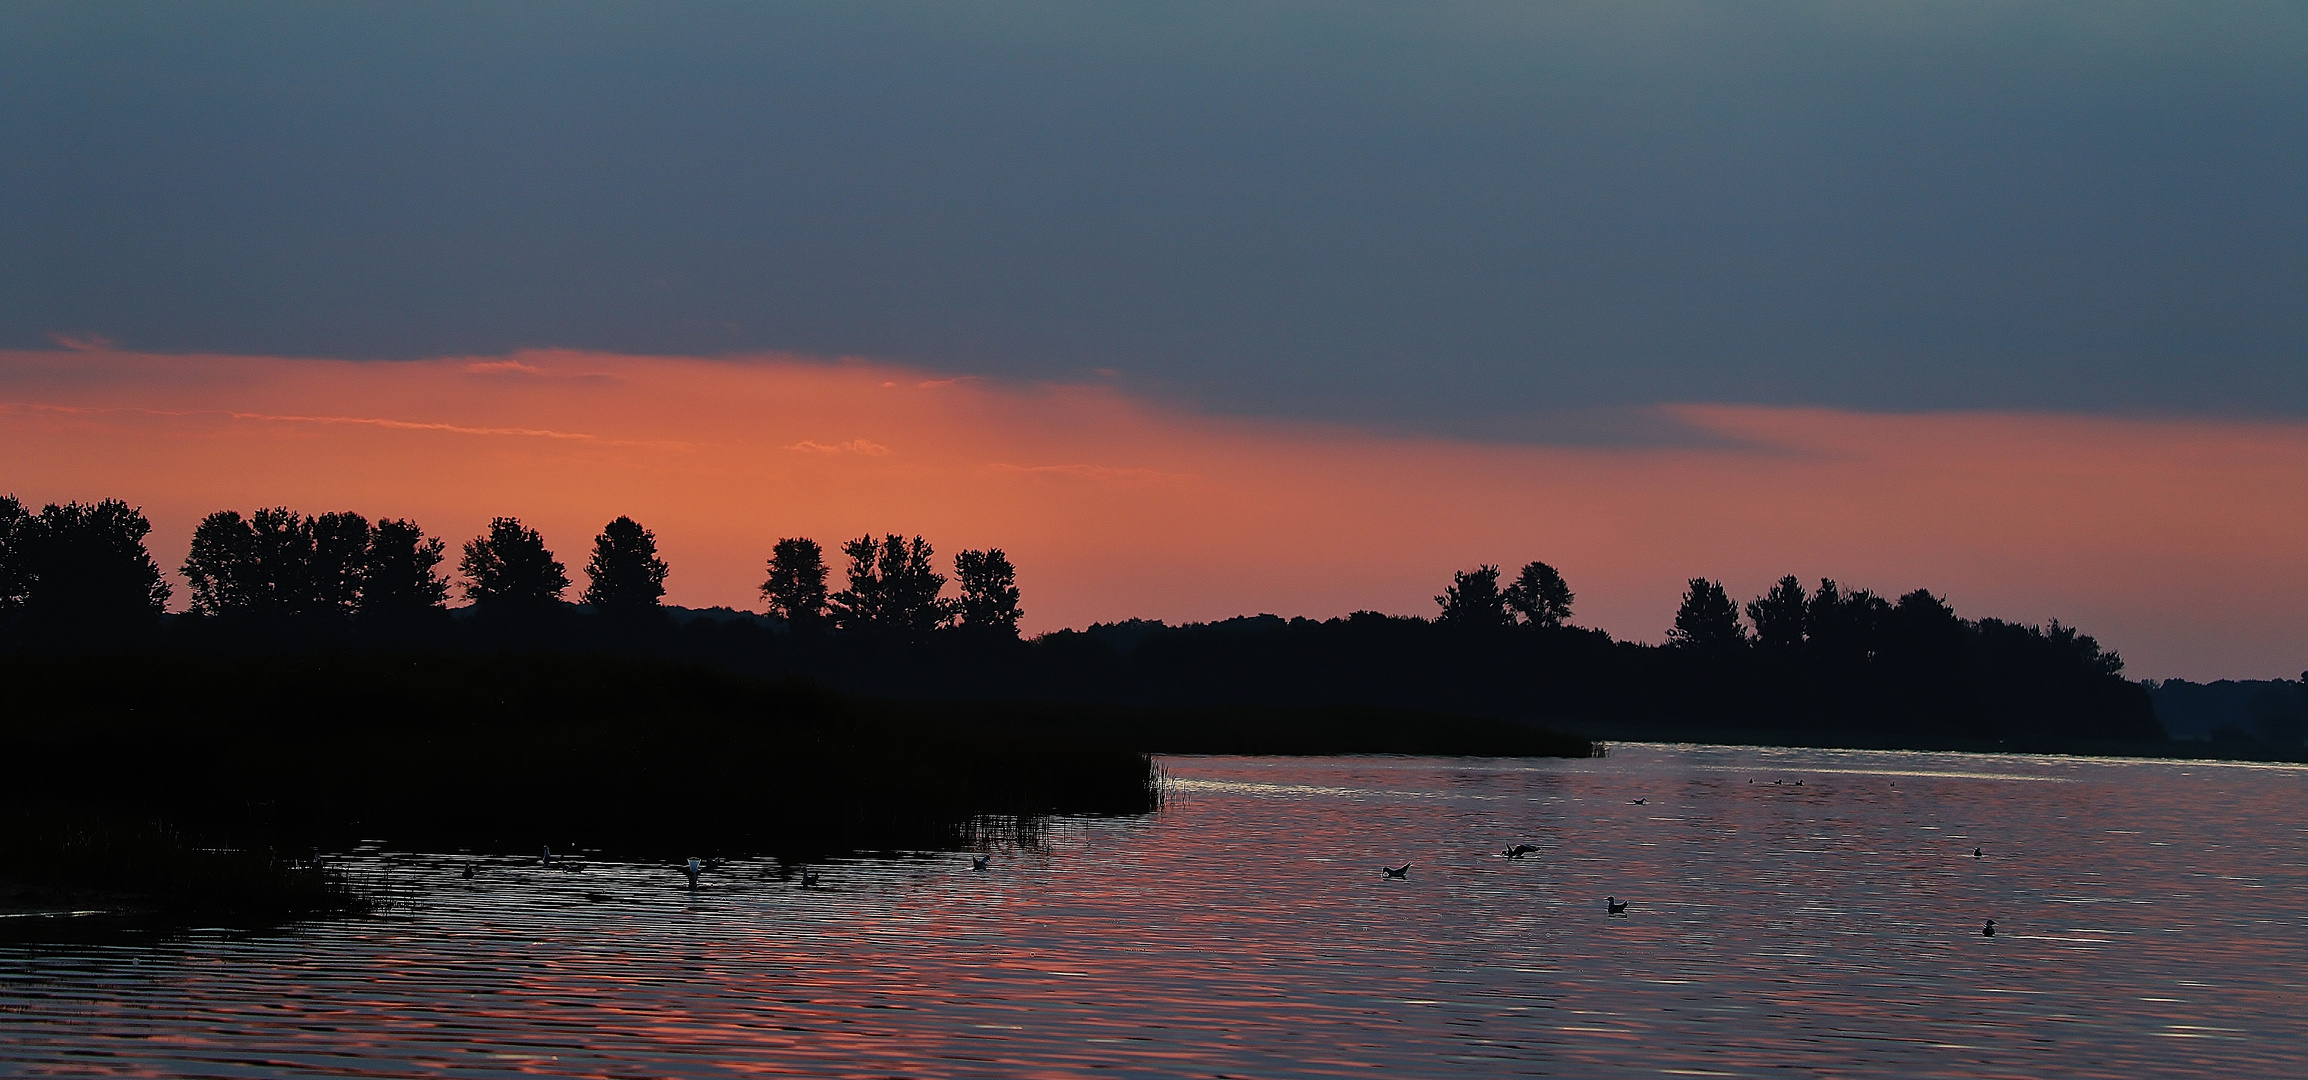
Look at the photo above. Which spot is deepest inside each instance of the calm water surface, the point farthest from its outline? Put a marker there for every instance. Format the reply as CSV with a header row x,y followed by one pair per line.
x,y
2153,921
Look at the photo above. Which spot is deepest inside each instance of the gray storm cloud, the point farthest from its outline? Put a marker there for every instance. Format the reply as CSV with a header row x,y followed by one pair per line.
x,y
1465,218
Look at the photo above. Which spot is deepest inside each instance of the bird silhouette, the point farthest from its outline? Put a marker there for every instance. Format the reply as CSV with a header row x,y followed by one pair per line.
x,y
690,870
1639,802
1615,906
979,862
1989,929
1519,850
1402,871
808,880
470,869
546,859
1979,853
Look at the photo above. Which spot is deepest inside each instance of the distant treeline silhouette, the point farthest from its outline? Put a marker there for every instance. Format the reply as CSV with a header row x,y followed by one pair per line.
x,y
1827,660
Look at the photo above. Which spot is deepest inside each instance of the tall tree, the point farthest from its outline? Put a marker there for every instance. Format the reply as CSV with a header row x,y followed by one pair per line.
x,y
218,566
1540,595
339,562
91,577
795,590
1707,619
626,579
1844,627
510,572
1472,601
16,528
401,580
893,588
989,603
281,562
1778,615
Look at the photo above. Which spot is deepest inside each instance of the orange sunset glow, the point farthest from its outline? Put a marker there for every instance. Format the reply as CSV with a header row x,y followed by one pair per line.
x,y
2148,533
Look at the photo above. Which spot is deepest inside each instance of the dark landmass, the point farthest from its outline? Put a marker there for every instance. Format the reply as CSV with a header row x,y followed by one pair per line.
x,y
190,781
2251,719
321,690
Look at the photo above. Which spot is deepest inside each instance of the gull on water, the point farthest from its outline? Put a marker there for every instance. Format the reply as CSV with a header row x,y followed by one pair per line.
x,y
1402,871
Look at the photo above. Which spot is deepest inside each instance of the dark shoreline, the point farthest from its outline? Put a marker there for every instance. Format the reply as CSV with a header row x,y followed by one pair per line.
x,y
198,784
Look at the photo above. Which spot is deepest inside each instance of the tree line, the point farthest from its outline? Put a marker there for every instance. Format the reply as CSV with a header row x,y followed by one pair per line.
x,y
1824,658
83,571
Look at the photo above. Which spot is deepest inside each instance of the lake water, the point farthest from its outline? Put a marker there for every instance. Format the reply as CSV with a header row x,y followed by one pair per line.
x,y
1791,913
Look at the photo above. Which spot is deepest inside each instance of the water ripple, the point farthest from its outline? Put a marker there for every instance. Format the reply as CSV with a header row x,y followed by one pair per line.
x,y
2148,925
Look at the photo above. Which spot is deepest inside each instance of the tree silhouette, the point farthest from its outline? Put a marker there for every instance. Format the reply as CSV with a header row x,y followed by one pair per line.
x,y
1707,619
893,588
340,557
1779,615
91,577
626,578
795,590
277,565
1844,628
510,572
1540,595
401,581
217,567
1473,601
989,603
16,529
280,563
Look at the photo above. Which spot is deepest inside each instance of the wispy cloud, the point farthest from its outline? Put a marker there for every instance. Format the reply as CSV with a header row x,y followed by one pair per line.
x,y
853,446
82,342
279,418
1089,472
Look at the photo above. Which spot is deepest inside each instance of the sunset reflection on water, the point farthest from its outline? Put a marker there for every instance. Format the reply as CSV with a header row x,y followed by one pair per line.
x,y
1804,911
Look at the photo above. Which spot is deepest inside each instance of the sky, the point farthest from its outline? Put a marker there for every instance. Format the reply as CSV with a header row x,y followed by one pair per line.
x,y
1204,309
